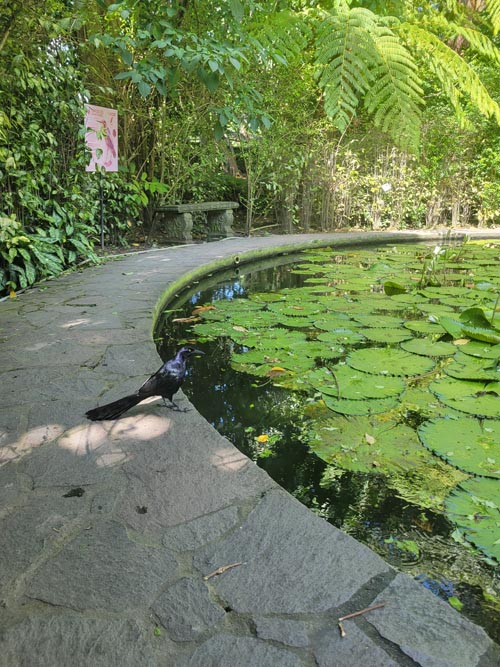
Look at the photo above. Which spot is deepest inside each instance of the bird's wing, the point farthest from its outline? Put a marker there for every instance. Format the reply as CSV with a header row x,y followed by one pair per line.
x,y
166,380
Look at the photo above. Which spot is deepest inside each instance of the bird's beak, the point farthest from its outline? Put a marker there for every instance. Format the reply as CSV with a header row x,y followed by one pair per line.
x,y
198,352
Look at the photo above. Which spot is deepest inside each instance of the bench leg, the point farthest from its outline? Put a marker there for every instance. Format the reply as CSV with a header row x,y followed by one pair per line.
x,y
177,226
219,224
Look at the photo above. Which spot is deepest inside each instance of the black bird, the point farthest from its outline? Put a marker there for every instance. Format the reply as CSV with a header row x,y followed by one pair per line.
x,y
165,383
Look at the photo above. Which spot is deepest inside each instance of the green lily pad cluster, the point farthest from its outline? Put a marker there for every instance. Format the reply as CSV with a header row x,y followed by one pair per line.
x,y
406,374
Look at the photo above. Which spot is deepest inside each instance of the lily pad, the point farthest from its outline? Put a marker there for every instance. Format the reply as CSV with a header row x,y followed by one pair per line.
x,y
428,348
295,309
475,398
347,383
475,507
367,444
332,321
469,444
481,350
341,336
383,321
423,326
370,406
389,361
388,336
466,367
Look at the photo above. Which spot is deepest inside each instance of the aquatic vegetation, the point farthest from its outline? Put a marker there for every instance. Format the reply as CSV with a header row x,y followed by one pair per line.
x,y
396,365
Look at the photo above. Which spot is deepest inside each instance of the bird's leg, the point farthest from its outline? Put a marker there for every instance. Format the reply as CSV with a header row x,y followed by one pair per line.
x,y
173,405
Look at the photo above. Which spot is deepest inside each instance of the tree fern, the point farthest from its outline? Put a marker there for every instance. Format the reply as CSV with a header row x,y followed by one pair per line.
x,y
281,37
396,96
478,42
493,10
344,49
452,70
359,58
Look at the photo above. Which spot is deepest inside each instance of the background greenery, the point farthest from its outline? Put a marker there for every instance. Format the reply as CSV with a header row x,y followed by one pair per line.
x,y
313,115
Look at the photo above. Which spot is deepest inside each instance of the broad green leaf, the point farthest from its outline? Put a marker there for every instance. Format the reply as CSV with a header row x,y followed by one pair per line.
x,y
347,383
342,441
469,444
389,361
475,398
370,406
428,348
475,507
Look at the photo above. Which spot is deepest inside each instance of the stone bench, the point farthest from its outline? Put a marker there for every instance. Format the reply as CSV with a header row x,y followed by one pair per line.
x,y
177,220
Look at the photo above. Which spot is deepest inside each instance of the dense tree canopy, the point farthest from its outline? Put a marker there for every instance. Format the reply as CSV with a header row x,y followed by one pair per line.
x,y
301,109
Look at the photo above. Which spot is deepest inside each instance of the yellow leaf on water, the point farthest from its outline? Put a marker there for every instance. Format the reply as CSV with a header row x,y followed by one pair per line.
x,y
201,309
369,439
184,320
275,370
461,341
12,294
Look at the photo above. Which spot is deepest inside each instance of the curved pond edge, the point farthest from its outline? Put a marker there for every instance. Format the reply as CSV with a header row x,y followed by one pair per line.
x,y
283,245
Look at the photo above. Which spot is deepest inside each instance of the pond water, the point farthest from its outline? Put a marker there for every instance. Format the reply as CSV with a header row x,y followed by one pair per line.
x,y
366,383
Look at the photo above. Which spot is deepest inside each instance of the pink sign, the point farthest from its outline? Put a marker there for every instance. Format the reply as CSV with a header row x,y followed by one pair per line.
x,y
101,137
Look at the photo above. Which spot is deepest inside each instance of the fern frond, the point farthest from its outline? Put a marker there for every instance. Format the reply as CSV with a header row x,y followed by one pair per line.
x,y
493,10
451,69
396,96
344,50
282,36
358,57
478,42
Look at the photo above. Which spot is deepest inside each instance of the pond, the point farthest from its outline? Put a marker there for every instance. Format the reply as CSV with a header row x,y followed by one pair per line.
x,y
366,382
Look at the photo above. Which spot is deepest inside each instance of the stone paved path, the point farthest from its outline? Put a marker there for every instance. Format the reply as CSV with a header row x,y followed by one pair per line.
x,y
108,530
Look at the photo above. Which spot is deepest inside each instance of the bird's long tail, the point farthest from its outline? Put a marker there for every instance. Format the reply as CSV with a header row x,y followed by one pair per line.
x,y
115,409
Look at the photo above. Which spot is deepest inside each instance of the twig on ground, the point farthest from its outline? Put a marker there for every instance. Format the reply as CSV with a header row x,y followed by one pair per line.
x,y
356,613
221,569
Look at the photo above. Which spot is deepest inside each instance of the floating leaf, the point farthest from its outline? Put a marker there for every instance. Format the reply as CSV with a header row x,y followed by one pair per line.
x,y
466,443
333,321
475,398
369,406
341,336
423,326
388,336
389,361
346,382
475,508
469,368
428,348
455,603
481,350
342,441
384,321
391,288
